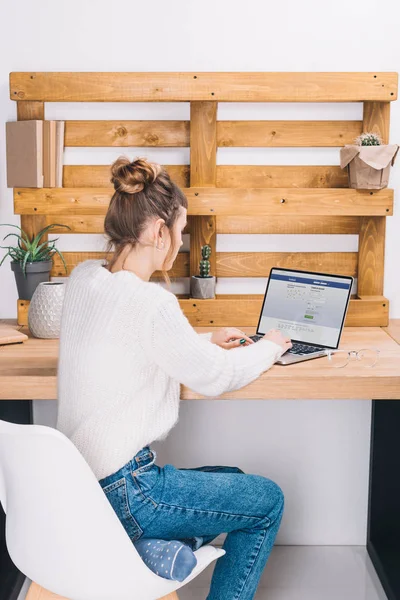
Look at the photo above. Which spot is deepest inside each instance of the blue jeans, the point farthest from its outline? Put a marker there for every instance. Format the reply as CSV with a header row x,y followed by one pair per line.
x,y
196,505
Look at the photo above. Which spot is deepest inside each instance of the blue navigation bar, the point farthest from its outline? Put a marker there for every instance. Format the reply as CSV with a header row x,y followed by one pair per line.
x,y
311,281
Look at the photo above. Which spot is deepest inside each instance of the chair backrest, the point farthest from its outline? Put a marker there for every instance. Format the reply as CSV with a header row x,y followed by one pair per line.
x,y
61,531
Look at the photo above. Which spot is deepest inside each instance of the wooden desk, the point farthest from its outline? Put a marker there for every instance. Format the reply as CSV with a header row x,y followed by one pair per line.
x,y
29,371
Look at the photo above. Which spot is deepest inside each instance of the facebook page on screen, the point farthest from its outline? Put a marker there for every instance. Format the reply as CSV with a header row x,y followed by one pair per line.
x,y
308,308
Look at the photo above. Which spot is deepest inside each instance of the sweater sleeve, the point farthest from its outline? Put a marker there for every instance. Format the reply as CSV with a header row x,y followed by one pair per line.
x,y
206,336
171,342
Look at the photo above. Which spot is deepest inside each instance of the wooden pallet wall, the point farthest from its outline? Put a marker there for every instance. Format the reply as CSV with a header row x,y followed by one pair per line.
x,y
223,198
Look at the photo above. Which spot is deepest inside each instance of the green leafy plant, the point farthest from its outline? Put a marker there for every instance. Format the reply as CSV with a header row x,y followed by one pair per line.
x,y
204,262
368,139
30,250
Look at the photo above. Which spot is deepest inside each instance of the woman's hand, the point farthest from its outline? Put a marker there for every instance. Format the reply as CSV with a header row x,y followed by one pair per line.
x,y
229,337
275,335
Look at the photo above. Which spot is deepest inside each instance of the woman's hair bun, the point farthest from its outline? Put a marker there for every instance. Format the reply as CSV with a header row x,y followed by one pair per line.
x,y
132,177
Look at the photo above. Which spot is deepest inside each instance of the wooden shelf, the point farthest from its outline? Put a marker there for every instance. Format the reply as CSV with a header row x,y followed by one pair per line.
x,y
244,311
253,202
249,199
203,86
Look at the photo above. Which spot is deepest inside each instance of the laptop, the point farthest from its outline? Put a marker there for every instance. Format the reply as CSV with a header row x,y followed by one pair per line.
x,y
306,306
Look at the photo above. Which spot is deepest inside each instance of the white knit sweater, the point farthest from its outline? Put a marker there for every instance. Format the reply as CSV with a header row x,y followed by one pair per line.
x,y
125,347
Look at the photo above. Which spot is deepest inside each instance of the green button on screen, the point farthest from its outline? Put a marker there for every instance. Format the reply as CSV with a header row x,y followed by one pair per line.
x,y
308,316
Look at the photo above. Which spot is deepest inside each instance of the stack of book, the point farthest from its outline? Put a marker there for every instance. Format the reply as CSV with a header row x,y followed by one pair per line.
x,y
35,153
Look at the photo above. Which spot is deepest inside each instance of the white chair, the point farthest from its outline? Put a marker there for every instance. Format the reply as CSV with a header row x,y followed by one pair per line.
x,y
62,532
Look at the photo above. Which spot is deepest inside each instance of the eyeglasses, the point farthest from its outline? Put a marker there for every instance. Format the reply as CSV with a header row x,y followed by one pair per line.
x,y
367,357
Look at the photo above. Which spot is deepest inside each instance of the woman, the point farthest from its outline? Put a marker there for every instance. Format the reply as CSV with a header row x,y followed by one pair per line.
x,y
125,348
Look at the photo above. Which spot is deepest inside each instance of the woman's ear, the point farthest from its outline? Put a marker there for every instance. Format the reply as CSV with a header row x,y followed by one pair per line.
x,y
158,229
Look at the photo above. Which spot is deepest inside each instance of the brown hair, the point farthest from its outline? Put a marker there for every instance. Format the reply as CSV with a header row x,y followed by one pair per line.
x,y
143,190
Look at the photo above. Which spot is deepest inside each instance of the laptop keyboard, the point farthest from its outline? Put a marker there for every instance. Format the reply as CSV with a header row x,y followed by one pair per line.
x,y
297,347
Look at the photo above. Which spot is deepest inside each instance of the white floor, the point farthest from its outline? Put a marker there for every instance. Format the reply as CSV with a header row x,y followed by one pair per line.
x,y
302,573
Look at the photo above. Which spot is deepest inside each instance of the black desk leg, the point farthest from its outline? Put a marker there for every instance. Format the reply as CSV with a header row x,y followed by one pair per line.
x,y
383,536
11,579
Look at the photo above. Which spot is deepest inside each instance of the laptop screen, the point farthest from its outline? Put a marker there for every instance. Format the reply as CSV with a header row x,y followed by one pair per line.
x,y
308,307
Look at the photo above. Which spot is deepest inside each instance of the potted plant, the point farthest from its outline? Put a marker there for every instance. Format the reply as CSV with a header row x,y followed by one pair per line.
x,y
31,261
368,161
203,285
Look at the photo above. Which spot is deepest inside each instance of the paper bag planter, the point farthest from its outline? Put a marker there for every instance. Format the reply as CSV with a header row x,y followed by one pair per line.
x,y
368,166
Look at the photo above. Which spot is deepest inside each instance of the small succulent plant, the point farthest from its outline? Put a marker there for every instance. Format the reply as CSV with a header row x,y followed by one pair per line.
x,y
30,250
368,139
204,262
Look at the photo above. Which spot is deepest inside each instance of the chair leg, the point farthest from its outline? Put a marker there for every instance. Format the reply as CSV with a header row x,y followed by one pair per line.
x,y
37,592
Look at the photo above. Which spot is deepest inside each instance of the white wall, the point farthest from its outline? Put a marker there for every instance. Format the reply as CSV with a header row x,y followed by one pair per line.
x,y
316,450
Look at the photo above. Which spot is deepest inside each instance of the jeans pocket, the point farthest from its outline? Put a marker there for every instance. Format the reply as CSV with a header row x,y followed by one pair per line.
x,y
117,496
146,479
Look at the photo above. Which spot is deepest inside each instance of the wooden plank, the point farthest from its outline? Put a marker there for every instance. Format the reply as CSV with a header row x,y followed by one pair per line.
x,y
217,201
281,176
37,592
252,297
238,312
32,224
236,264
243,176
291,224
226,224
229,133
203,144
202,231
280,134
54,201
82,224
284,201
77,223
203,163
373,311
242,310
72,259
169,134
258,264
27,111
371,256
22,311
201,86
99,175
376,118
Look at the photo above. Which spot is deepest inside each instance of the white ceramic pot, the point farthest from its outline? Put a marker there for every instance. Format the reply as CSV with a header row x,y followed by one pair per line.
x,y
44,313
